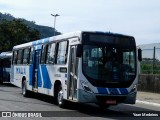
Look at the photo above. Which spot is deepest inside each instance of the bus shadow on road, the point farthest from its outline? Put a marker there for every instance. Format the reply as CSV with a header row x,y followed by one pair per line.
x,y
7,84
41,97
90,110
116,112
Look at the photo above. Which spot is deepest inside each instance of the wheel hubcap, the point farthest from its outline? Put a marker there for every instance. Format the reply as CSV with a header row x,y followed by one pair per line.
x,y
60,97
24,89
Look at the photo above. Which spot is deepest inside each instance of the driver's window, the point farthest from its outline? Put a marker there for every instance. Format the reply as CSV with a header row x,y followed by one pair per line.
x,y
128,59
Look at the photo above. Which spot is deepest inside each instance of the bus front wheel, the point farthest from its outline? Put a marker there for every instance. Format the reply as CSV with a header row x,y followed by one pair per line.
x,y
60,100
24,89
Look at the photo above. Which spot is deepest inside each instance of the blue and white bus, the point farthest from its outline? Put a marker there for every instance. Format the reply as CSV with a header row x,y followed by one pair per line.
x,y
85,67
5,64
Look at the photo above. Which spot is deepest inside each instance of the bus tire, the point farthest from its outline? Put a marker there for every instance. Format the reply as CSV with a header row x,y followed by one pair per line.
x,y
24,89
61,102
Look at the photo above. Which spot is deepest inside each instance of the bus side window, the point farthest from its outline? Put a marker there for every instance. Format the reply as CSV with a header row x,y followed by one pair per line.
x,y
26,56
43,54
15,57
50,54
20,56
62,52
30,55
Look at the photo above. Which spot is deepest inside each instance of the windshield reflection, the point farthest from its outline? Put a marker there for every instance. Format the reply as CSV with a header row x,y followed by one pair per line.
x,y
108,63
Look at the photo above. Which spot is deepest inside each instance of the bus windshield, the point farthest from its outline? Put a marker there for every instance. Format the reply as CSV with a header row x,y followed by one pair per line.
x,y
109,64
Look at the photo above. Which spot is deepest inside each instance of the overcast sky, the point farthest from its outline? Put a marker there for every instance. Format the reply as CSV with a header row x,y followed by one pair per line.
x,y
139,18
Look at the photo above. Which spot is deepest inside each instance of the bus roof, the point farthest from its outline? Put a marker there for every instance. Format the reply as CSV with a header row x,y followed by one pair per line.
x,y
49,39
4,55
59,37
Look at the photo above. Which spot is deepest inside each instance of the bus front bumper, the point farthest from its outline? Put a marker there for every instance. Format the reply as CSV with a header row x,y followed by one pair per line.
x,y
89,97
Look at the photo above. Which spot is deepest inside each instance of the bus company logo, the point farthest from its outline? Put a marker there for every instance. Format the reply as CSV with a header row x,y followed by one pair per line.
x,y
20,71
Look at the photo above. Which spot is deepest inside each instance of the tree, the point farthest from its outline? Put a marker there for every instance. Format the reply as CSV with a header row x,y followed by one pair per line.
x,y
15,32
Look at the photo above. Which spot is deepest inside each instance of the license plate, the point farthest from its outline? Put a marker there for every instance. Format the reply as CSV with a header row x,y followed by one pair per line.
x,y
111,102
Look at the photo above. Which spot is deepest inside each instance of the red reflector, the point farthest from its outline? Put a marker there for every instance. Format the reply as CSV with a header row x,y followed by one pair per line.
x,y
111,102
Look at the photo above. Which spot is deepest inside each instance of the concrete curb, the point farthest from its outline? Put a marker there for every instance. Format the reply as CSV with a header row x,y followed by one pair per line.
x,y
148,103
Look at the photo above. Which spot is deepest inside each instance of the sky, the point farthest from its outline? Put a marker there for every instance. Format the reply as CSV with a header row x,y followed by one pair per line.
x,y
138,18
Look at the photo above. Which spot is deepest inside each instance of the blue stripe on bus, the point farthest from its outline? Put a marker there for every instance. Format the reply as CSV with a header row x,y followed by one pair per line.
x,y
30,74
46,79
102,90
46,40
34,43
123,91
39,41
113,91
39,47
39,78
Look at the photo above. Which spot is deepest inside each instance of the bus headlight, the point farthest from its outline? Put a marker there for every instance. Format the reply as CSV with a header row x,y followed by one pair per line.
x,y
86,88
134,89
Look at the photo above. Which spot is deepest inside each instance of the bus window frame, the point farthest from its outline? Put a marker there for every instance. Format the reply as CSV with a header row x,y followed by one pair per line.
x,y
29,49
43,57
50,44
21,57
66,53
14,60
31,56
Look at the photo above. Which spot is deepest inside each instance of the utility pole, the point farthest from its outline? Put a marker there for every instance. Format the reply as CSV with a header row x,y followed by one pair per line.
x,y
56,15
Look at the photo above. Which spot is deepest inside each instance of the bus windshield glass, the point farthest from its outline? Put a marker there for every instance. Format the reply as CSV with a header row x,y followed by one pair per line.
x,y
109,63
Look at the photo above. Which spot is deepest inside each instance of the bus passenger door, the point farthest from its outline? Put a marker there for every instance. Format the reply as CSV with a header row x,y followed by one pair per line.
x,y
73,74
35,70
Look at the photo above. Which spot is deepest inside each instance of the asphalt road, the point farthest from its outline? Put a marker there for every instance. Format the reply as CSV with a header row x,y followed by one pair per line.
x,y
11,100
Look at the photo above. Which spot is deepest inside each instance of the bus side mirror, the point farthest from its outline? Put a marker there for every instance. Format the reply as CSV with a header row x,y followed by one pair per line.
x,y
79,50
139,54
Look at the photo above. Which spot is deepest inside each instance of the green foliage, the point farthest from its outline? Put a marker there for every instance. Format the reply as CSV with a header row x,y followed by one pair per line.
x,y
146,68
15,32
150,66
44,31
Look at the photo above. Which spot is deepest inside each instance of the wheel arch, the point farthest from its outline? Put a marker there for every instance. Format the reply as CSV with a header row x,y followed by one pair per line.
x,y
23,79
57,83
